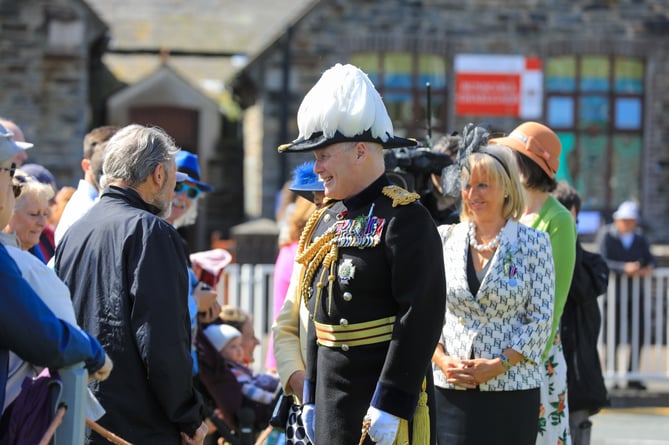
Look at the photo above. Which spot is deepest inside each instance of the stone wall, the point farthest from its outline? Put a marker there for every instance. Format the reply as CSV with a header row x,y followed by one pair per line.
x,y
333,30
44,78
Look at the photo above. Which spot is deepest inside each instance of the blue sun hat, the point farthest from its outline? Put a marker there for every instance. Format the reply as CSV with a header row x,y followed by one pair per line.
x,y
187,163
8,146
305,181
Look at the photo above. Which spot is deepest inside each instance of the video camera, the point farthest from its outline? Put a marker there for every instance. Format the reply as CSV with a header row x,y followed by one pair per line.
x,y
411,167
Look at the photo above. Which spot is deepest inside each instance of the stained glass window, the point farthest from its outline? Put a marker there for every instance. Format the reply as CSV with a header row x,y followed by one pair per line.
x,y
401,79
595,104
561,74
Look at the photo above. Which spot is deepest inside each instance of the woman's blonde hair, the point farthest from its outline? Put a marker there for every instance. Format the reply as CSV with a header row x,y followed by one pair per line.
x,y
498,163
31,187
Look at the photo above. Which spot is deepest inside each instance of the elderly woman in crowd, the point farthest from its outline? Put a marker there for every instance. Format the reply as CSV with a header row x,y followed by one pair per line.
x,y
499,299
44,281
31,211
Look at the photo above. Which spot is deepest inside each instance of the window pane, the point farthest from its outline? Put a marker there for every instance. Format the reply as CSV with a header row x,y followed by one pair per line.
x,y
629,75
591,164
628,113
397,71
595,73
369,63
594,112
567,160
438,121
626,168
561,74
560,112
431,69
400,115
394,96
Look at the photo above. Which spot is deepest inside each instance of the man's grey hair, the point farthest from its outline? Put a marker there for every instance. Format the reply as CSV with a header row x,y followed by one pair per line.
x,y
134,152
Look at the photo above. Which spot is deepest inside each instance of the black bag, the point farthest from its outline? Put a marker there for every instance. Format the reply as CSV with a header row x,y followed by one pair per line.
x,y
287,418
282,407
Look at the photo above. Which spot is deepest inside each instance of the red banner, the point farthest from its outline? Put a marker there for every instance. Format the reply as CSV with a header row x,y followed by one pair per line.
x,y
487,94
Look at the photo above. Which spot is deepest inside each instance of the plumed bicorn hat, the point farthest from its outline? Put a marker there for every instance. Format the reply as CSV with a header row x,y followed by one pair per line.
x,y
343,106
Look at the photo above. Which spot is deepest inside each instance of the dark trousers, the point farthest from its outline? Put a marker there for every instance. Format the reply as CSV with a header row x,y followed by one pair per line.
x,y
471,417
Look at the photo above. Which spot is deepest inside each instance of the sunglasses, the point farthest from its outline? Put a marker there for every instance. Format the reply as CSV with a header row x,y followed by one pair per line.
x,y
191,192
11,169
17,185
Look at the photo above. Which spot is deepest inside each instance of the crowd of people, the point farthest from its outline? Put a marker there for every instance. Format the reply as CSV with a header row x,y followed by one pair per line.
x,y
392,325
118,290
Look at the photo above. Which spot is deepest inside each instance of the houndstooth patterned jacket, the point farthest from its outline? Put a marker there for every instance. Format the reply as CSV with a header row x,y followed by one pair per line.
x,y
513,307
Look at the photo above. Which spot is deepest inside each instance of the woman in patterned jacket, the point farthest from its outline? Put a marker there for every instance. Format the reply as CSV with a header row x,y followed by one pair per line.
x,y
499,300
537,151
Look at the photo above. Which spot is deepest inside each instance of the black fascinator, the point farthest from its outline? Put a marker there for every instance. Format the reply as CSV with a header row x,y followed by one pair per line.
x,y
473,138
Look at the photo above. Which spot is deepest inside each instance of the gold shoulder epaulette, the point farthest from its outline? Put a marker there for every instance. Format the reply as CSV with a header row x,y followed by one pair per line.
x,y
399,195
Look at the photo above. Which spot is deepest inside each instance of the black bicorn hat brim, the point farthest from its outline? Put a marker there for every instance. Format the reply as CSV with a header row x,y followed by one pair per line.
x,y
319,140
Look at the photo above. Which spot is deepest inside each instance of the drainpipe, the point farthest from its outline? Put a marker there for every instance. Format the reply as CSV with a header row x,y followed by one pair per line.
x,y
285,105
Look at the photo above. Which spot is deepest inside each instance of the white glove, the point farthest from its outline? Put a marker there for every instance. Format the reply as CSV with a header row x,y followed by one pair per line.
x,y
308,419
383,426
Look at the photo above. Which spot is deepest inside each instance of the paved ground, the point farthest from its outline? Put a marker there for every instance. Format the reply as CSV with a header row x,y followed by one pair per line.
x,y
632,426
634,418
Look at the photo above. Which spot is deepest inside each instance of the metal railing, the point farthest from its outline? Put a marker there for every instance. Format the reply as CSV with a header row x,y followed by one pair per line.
x,y
250,288
639,317
71,430
634,317
633,339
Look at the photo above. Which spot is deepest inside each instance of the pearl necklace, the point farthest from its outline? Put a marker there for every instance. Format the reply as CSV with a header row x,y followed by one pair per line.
x,y
492,245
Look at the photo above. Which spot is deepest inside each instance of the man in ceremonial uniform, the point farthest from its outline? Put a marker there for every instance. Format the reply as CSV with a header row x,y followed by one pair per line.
x,y
370,272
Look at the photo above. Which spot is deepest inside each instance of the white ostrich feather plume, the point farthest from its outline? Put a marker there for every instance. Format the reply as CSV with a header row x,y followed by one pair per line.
x,y
344,99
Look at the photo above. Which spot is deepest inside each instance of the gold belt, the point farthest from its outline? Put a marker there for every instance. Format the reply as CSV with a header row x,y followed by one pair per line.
x,y
357,334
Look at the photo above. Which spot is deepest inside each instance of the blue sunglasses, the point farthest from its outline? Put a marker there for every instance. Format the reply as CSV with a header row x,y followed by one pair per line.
x,y
191,192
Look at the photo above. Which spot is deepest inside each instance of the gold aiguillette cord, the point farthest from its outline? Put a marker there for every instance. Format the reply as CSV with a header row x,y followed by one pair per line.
x,y
365,428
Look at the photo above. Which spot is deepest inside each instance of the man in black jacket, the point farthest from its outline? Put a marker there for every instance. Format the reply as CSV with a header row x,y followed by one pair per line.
x,y
126,269
627,253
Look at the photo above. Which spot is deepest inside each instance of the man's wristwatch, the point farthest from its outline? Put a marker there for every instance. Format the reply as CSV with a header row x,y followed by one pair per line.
x,y
505,361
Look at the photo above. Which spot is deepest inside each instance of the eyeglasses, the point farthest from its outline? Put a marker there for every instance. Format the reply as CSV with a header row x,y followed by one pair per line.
x,y
191,192
11,169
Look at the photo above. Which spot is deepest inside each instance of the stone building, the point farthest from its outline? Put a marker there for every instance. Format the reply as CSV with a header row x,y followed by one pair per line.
x,y
57,84
594,70
49,52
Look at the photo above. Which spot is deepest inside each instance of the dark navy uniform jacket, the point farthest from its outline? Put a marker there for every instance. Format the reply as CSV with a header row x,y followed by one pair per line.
x,y
402,276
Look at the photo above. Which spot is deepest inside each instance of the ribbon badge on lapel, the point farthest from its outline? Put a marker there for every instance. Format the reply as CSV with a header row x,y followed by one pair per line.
x,y
510,269
361,232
